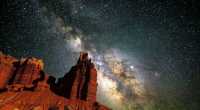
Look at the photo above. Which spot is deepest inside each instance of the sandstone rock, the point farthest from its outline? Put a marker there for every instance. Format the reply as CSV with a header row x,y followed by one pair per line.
x,y
29,88
80,82
27,71
6,69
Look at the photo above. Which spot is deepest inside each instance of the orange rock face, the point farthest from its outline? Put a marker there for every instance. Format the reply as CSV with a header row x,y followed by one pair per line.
x,y
25,86
6,69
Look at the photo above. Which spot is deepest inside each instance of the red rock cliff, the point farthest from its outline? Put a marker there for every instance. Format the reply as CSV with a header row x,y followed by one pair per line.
x,y
80,82
25,86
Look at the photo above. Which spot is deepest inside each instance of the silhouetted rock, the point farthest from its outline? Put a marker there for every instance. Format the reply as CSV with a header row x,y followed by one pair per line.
x,y
80,82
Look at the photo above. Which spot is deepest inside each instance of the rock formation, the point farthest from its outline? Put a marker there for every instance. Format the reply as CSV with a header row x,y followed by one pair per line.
x,y
80,82
25,86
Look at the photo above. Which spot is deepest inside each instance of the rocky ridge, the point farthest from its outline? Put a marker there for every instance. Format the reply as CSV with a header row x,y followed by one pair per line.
x,y
25,86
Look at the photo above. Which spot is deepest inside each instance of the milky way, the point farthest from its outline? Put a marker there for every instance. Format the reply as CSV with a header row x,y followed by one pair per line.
x,y
146,52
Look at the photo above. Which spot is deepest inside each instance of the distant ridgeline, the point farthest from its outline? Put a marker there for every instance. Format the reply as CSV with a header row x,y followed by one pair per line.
x,y
25,86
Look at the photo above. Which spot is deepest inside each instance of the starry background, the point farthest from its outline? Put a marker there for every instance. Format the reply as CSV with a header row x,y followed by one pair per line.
x,y
160,39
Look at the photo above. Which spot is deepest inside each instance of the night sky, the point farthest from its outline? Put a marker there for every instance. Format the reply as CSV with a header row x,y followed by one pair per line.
x,y
146,51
